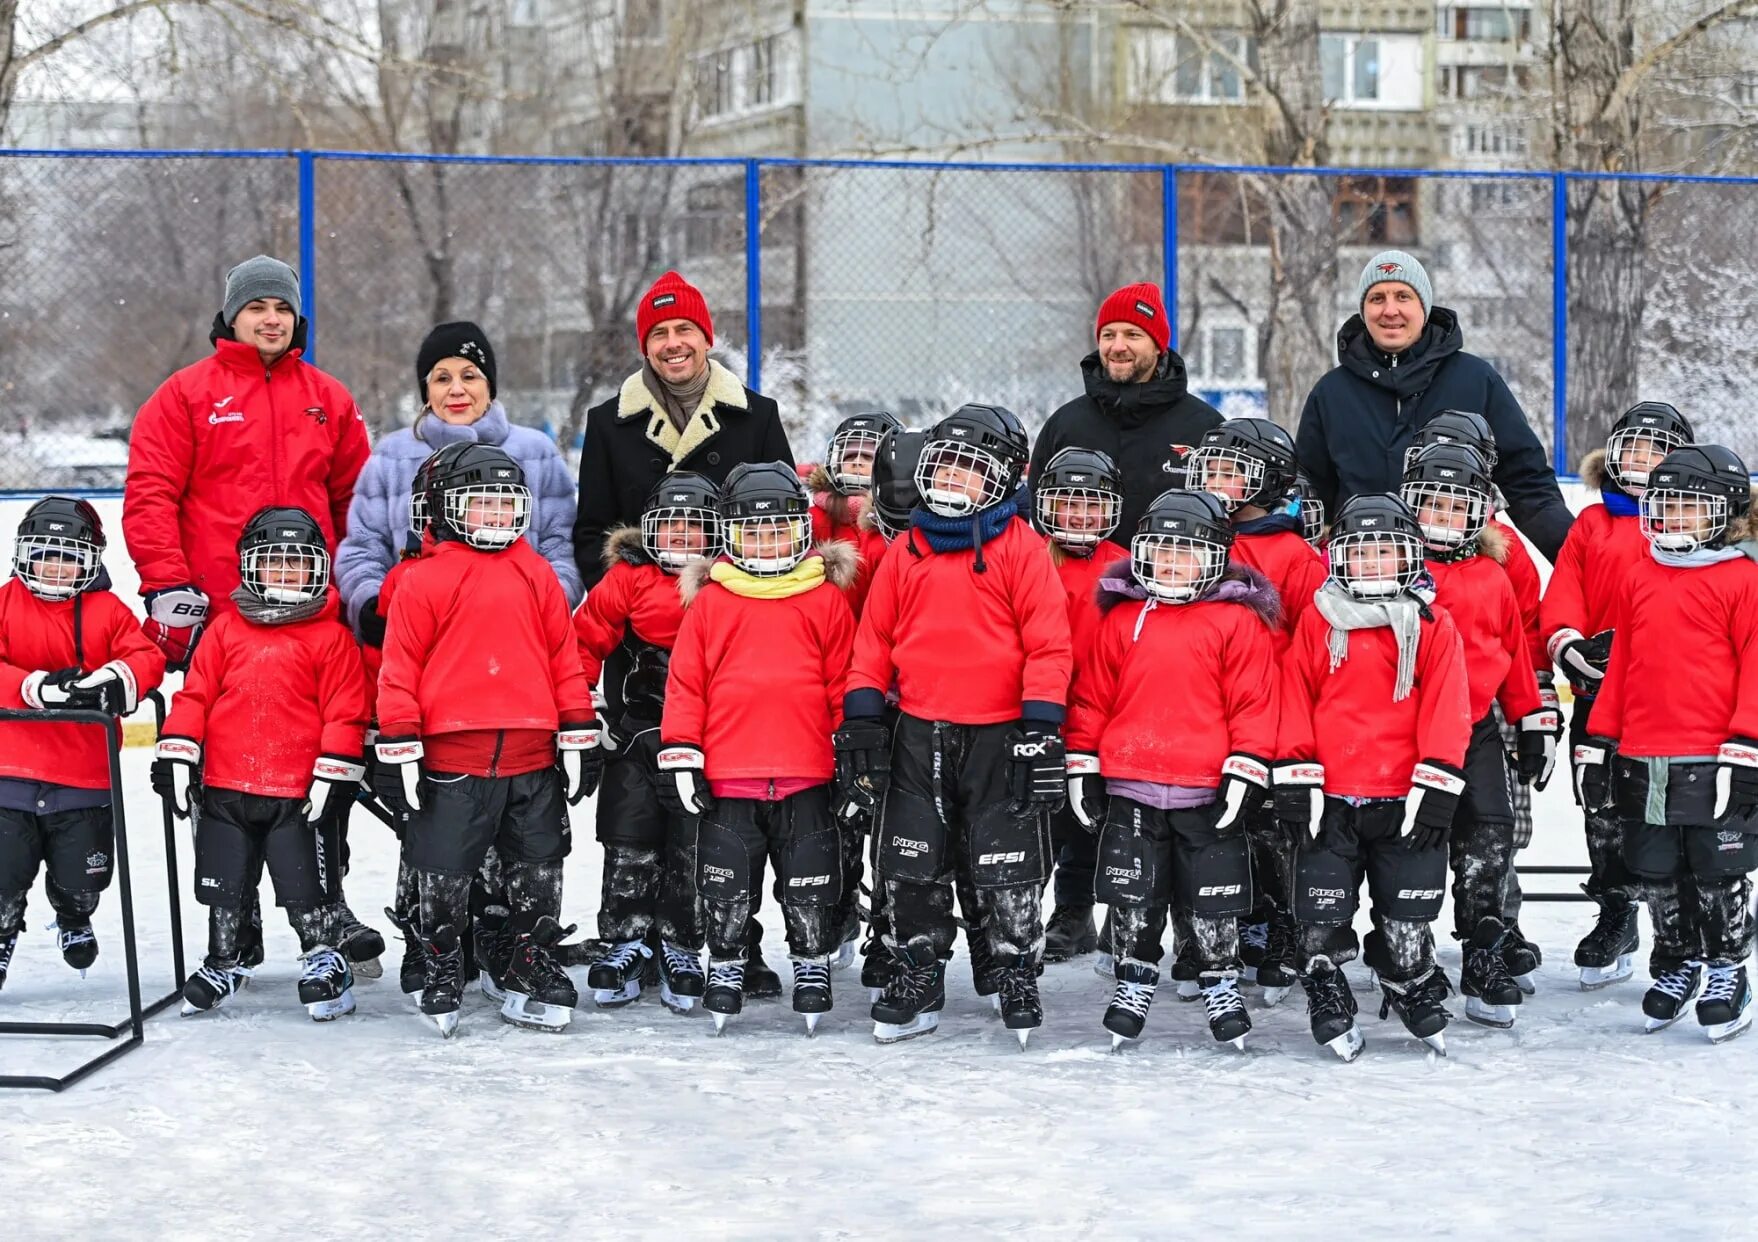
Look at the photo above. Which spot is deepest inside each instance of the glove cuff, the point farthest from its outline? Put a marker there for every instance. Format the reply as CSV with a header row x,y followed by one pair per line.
x,y
1738,752
1248,768
31,689
1440,777
1545,720
1307,772
125,675
1553,647
1594,750
677,758
1078,764
339,769
398,749
577,737
179,750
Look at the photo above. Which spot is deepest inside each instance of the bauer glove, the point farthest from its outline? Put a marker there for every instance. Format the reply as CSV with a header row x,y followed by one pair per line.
x,y
175,617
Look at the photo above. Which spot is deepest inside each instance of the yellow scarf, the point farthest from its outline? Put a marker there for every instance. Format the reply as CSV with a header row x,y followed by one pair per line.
x,y
796,581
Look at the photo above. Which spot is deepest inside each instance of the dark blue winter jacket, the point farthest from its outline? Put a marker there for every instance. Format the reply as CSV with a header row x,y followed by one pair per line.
x,y
1361,417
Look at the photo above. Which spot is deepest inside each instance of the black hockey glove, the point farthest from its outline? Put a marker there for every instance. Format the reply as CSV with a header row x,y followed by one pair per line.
x,y
1035,765
581,760
1299,789
1582,660
334,781
1435,790
1736,780
107,688
176,761
1593,773
48,691
397,775
863,766
1086,790
683,787
1536,752
1242,777
372,624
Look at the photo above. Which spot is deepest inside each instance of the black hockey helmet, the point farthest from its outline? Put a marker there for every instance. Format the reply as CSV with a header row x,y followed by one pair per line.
x,y
1078,498
894,494
985,441
1375,547
1311,509
1692,495
282,556
1244,461
1455,427
479,496
59,549
1652,423
1180,545
681,497
767,516
1449,483
418,517
858,434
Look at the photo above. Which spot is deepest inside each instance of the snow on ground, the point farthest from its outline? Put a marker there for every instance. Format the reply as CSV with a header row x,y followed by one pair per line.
x,y
255,1122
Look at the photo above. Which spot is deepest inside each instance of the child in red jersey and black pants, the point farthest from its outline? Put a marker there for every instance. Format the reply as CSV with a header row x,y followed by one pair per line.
x,y
1375,717
486,732
968,617
627,626
66,642
745,748
841,494
1249,464
1077,503
1677,755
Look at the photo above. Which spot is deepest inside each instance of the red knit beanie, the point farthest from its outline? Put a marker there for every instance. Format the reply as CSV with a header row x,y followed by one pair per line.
x,y
672,297
1141,306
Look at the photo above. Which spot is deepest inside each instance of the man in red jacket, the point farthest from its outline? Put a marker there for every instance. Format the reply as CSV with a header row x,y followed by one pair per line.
x,y
249,426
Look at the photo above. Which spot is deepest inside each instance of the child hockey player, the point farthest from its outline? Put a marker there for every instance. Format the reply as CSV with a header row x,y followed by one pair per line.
x,y
1310,508
967,615
631,619
1448,488
750,708
262,748
485,721
1249,464
1585,589
1375,718
1077,502
840,494
1680,754
1181,770
66,642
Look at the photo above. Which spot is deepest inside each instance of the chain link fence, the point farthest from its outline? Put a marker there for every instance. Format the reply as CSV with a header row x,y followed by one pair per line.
x,y
903,285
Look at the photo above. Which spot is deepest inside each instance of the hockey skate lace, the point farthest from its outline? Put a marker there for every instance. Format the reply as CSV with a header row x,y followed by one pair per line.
x,y
1279,947
1491,970
681,961
1254,936
1326,997
727,975
1133,997
223,982
72,936
1018,987
622,956
1677,983
1723,985
321,964
1222,999
811,975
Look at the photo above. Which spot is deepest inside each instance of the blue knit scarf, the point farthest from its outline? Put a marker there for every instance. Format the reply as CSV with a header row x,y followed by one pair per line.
x,y
959,534
1619,503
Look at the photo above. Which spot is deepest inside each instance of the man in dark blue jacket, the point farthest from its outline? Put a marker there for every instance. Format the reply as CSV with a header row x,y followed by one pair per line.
x,y
1401,361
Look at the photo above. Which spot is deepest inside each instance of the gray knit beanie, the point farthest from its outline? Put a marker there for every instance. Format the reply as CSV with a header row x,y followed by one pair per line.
x,y
261,277
1395,265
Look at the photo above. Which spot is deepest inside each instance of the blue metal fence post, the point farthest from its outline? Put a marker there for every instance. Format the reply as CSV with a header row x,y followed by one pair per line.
x,y
754,273
1559,320
1169,242
308,250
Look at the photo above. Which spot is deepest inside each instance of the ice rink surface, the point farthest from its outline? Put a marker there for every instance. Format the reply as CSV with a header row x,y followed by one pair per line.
x,y
256,1122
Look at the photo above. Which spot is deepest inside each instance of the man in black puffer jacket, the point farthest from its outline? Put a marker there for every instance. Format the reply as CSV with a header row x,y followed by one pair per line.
x,y
1137,407
1401,361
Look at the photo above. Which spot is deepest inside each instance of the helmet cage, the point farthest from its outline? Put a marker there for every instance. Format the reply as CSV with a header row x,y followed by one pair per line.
x,y
743,532
1665,510
32,555
1424,492
481,534
949,453
264,568
1665,439
1349,546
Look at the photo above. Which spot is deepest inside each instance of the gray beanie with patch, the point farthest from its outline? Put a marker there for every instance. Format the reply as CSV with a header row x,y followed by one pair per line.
x,y
1395,265
261,277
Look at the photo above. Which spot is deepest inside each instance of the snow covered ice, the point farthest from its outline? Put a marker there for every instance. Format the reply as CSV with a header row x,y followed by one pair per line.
x,y
253,1121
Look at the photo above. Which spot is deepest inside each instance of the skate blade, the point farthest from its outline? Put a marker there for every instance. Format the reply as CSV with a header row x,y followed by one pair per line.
x,y
330,1010
193,1011
371,968
1104,966
1188,990
873,995
1721,1032
1237,1041
1651,1025
489,987
1501,1017
1595,977
446,1022
891,1033
1349,1044
995,1003
520,1010
1275,996
616,998
845,956
672,1001
1248,975
1437,1043
811,1023
720,1021
1527,983
1024,1035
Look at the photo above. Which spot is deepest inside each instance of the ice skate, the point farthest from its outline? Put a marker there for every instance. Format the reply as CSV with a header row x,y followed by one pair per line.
x,y
1276,976
1229,1022
1492,998
1254,939
812,998
1671,995
209,986
844,957
1022,1012
580,952
8,945
1070,933
441,992
361,945
1522,958
490,946
725,996
911,1002
1185,972
1331,1007
79,946
1420,1005
877,966
326,986
540,996
1606,955
761,981
681,981
1726,1007
986,972
616,978
1128,1012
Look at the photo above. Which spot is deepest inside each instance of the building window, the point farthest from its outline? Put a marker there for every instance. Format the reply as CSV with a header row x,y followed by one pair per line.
x,y
1508,139
761,81
1169,68
1377,211
1746,92
1488,23
1350,65
1481,81
713,221
714,83
1219,354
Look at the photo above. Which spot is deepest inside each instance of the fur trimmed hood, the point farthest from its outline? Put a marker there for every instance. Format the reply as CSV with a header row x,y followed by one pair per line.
x,y
623,543
841,563
1743,529
1493,543
842,510
1239,584
1593,471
